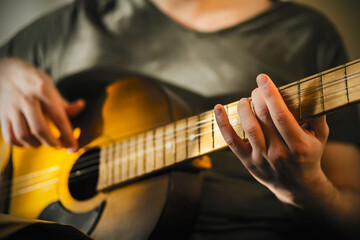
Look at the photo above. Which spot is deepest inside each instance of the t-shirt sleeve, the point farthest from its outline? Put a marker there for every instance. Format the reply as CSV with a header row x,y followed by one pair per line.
x,y
41,43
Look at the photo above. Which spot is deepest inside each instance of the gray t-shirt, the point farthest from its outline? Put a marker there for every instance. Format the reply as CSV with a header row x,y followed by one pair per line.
x,y
288,42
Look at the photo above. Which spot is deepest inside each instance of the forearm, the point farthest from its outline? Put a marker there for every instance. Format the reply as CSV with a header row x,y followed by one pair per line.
x,y
334,196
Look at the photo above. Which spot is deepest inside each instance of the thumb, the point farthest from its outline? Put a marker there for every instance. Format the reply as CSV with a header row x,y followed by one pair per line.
x,y
74,107
318,127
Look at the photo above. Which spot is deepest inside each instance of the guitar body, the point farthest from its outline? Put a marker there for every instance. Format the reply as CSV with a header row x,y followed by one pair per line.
x,y
44,181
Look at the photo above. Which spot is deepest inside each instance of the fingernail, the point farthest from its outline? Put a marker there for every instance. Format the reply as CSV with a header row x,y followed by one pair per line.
x,y
72,149
217,110
261,80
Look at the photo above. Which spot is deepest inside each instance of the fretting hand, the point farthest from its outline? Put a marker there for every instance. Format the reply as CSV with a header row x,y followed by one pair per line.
x,y
280,154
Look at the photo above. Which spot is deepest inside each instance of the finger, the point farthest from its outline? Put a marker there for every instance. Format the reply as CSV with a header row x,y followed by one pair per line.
x,y
13,139
251,127
75,107
37,123
7,132
62,122
58,115
53,104
319,128
236,144
21,130
284,121
272,136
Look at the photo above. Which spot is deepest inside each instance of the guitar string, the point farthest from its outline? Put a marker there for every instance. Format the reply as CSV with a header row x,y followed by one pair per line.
x,y
40,185
203,123
314,88
212,118
288,94
166,136
322,74
328,99
198,123
160,148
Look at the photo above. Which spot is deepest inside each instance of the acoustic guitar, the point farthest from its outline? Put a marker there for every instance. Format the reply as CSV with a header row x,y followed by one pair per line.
x,y
138,174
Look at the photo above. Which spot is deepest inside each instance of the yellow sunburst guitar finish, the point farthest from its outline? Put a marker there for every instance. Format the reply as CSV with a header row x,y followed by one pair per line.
x,y
138,200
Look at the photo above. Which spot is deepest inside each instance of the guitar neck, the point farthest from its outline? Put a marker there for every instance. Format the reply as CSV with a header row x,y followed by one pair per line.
x,y
198,135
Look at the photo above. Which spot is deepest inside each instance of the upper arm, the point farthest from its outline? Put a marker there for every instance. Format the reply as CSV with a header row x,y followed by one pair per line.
x,y
41,43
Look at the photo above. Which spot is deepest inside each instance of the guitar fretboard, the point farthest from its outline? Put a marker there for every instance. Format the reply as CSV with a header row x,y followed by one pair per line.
x,y
164,146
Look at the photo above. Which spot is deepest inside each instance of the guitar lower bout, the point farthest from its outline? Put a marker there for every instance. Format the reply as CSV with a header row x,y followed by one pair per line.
x,y
144,198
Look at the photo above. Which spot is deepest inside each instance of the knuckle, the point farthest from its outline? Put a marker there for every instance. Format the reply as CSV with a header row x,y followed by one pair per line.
x,y
300,150
7,140
230,141
40,131
14,141
251,131
281,118
222,124
278,154
42,88
263,114
40,84
254,93
24,136
242,103
326,130
27,101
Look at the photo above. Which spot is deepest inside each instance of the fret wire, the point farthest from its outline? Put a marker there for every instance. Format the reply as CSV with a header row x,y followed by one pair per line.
x,y
163,146
101,168
174,133
113,163
299,94
199,128
105,166
136,155
119,144
110,165
322,94
212,129
346,84
186,138
122,162
144,154
128,159
154,147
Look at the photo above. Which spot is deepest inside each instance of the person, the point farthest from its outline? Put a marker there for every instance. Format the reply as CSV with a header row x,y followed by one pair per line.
x,y
289,177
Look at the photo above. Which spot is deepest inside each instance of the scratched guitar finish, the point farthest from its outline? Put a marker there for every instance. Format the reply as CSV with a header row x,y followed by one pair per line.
x,y
138,132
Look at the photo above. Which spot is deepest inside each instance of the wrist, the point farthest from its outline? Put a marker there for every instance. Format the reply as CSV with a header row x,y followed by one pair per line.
x,y
306,191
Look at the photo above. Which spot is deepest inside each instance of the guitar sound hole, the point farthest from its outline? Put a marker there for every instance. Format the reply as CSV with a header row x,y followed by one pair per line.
x,y
84,175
